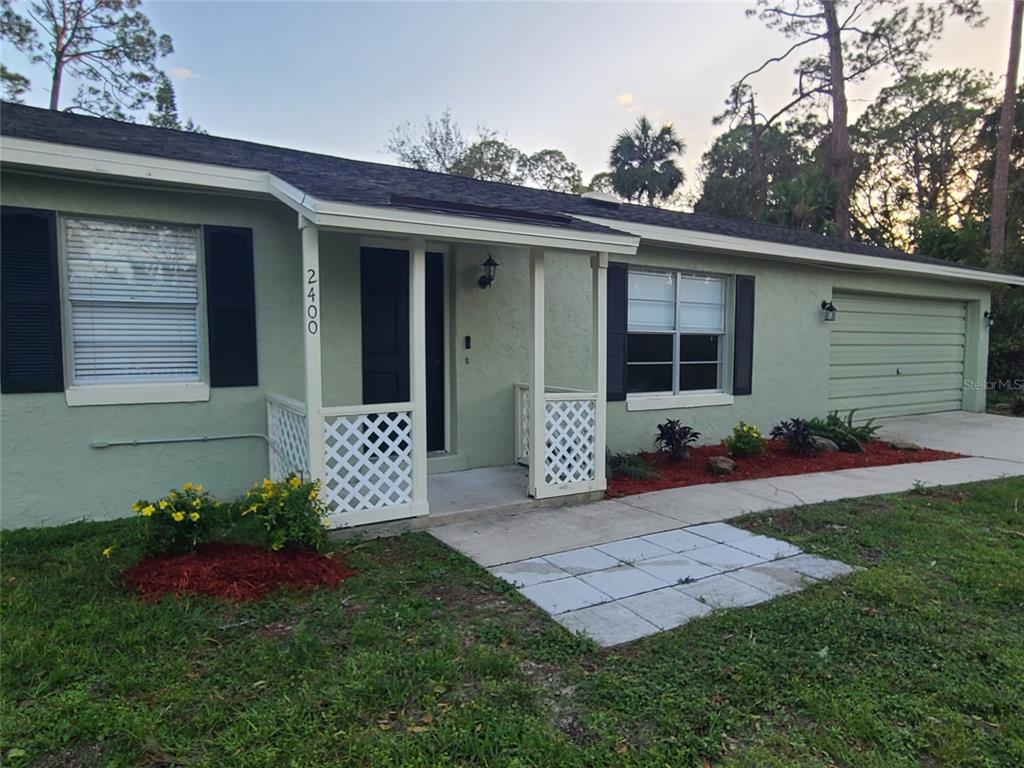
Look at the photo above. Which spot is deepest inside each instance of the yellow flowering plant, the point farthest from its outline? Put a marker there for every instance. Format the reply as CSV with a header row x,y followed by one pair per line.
x,y
290,512
745,440
181,520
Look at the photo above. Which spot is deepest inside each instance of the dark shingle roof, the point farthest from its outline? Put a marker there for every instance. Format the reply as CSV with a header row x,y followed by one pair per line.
x,y
337,179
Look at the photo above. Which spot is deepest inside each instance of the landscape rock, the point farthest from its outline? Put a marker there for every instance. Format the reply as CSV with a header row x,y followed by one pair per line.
x,y
721,465
823,444
904,445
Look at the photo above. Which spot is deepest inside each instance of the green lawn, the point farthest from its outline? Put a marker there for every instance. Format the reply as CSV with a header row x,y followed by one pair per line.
x,y
424,660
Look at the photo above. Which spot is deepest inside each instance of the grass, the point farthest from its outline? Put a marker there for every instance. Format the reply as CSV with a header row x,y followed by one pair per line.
x,y
424,660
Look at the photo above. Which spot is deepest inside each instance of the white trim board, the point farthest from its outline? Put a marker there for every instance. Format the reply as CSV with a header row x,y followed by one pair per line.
x,y
782,251
360,218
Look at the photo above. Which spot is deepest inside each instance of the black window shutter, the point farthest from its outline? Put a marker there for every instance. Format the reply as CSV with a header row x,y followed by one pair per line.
x,y
31,359
230,306
618,278
743,337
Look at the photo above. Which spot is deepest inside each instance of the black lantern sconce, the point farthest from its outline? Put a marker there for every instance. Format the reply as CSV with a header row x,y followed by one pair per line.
x,y
990,319
828,310
490,270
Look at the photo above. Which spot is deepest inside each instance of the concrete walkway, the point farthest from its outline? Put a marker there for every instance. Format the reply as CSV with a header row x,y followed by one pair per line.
x,y
520,536
627,589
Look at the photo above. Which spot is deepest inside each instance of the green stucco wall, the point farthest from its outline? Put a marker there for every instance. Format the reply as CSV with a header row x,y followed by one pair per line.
x,y
791,342
51,474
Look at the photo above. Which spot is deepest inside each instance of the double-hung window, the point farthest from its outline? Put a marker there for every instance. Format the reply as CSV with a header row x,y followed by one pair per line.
x,y
133,299
677,333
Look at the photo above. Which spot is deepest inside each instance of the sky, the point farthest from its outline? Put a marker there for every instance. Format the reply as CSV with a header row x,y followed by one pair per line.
x,y
335,77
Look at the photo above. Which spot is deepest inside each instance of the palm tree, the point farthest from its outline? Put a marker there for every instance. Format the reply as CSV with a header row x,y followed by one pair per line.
x,y
643,162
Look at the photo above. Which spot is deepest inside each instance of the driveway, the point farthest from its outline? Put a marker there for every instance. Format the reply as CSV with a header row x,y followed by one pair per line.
x,y
974,434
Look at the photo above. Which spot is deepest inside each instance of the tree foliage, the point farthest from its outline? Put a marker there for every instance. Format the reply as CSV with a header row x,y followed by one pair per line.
x,y
920,148
788,186
440,145
435,145
643,162
107,47
165,108
841,42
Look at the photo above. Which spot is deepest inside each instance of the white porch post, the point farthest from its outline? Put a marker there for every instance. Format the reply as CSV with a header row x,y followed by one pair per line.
x,y
311,334
418,370
599,267
538,405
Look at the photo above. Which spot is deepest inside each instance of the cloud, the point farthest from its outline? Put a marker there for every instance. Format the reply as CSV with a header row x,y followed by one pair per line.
x,y
184,73
625,99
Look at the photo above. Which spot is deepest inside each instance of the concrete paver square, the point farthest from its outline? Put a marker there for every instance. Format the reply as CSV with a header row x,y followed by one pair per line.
x,y
724,557
528,572
724,592
666,608
608,624
772,578
766,547
723,533
628,550
584,560
622,581
563,595
680,540
817,567
676,568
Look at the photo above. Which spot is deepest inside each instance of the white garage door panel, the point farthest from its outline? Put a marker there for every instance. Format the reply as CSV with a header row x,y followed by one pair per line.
x,y
896,355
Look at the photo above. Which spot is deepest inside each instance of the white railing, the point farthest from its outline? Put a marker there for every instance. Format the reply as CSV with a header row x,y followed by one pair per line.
x,y
368,460
288,441
570,427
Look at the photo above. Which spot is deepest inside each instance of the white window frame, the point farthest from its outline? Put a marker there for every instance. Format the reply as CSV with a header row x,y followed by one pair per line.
x,y
691,398
133,393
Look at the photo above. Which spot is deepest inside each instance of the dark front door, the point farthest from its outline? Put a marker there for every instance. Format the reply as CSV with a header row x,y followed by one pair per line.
x,y
385,319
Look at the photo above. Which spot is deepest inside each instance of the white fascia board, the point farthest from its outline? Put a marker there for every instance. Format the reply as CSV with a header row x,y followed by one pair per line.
x,y
372,219
445,226
64,157
798,253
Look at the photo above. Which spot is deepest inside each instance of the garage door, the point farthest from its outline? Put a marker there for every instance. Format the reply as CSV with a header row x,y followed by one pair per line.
x,y
893,356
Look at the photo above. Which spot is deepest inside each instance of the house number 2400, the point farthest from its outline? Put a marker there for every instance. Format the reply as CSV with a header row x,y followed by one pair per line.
x,y
312,323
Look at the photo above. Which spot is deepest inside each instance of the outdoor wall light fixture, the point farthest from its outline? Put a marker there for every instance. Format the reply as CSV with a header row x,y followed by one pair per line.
x,y
490,270
828,310
990,319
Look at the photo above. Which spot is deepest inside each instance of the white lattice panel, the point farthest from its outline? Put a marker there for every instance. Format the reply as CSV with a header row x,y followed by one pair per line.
x,y
571,427
289,450
368,461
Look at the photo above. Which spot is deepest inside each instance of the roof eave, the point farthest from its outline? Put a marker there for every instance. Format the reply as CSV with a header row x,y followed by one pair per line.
x,y
802,254
33,154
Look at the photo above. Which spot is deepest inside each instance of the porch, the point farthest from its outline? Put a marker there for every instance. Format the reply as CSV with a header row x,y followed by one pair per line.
x,y
373,458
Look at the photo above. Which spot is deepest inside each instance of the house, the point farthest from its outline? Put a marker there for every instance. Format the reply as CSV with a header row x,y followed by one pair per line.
x,y
181,307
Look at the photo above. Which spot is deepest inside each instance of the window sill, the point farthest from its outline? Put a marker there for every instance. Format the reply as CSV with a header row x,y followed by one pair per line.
x,y
664,402
137,394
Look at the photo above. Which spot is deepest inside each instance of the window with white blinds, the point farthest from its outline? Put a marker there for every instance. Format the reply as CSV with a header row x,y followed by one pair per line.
x,y
133,291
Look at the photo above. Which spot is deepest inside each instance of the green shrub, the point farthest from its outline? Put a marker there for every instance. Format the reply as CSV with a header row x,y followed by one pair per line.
x,y
631,465
181,520
745,440
840,430
290,512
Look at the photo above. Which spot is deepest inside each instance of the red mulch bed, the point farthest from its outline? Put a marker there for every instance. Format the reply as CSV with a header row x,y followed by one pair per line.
x,y
776,461
230,571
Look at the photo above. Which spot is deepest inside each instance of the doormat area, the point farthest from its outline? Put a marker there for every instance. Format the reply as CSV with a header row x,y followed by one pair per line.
x,y
777,461
232,571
